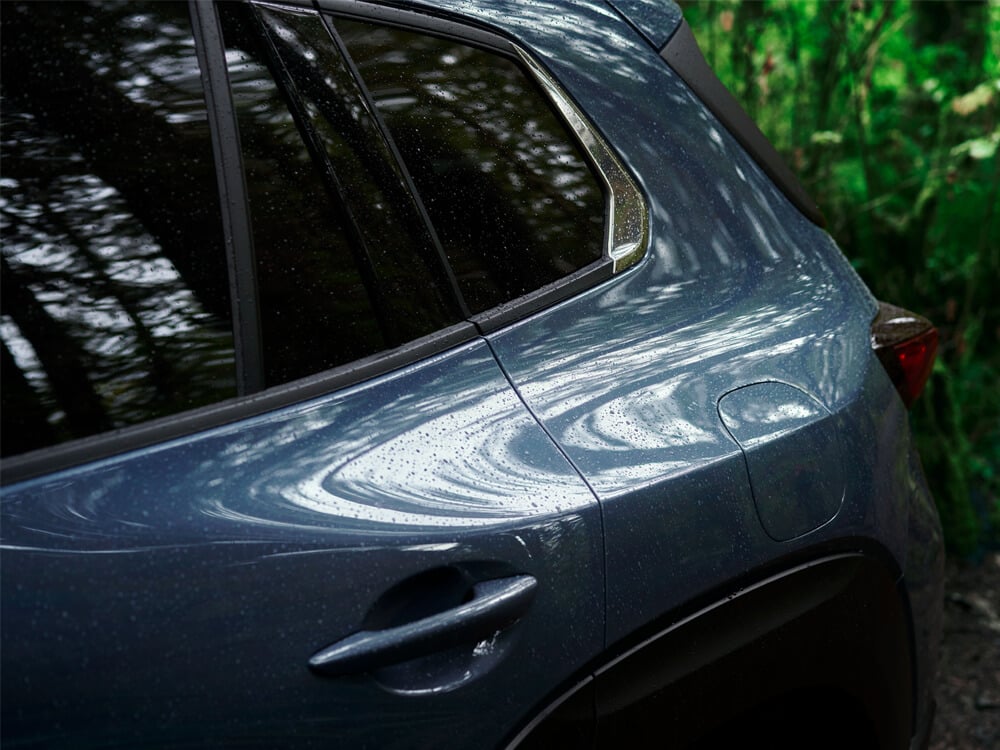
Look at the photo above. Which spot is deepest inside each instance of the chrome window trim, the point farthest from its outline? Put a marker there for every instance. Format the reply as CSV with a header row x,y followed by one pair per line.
x,y
626,211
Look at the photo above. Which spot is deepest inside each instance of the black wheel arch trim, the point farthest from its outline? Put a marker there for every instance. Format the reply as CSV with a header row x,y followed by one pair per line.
x,y
709,664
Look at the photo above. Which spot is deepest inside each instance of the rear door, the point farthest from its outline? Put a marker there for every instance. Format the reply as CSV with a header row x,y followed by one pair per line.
x,y
422,522
278,498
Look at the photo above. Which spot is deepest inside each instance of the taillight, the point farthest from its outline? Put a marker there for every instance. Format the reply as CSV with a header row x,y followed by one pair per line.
x,y
905,344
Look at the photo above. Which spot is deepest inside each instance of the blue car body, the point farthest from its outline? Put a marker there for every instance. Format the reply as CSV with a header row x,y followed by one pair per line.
x,y
692,481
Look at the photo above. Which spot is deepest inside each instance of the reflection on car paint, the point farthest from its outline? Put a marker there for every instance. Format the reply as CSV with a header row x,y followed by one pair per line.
x,y
458,452
798,491
279,534
582,447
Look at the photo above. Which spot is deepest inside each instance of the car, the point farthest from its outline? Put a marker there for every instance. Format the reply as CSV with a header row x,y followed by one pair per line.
x,y
452,374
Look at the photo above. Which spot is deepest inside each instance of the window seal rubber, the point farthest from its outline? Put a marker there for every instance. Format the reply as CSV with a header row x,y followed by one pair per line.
x,y
361,251
106,445
447,273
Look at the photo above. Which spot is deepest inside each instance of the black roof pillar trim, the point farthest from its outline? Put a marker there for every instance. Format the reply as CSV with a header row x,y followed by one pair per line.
x,y
211,51
684,56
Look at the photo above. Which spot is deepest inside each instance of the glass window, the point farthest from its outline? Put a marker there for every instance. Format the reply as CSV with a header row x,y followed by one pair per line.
x,y
507,189
115,299
345,266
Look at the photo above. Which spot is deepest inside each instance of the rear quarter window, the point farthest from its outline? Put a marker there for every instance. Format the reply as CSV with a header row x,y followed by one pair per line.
x,y
510,194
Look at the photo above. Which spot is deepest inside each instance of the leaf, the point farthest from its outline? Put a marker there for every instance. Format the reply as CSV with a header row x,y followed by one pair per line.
x,y
826,138
979,97
983,148
979,148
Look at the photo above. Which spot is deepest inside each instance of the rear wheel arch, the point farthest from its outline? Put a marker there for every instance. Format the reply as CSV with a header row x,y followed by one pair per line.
x,y
818,653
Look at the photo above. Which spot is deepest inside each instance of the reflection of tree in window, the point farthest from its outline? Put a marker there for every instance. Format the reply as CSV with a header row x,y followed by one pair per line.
x,y
508,191
343,271
115,294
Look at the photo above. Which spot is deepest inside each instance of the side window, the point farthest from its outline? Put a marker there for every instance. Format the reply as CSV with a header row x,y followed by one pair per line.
x,y
115,299
345,266
397,183
508,191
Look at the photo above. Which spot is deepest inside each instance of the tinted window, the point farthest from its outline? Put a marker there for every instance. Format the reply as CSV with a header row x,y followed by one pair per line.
x,y
508,191
116,298
344,271
115,301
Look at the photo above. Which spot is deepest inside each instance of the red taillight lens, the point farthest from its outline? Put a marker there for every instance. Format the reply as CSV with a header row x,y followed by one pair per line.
x,y
905,344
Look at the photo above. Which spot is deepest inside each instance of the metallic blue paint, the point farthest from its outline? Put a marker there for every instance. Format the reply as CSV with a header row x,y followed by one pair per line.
x,y
198,576
738,288
795,491
655,19
195,579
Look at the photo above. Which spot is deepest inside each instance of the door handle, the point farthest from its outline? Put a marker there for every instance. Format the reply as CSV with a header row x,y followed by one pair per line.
x,y
494,606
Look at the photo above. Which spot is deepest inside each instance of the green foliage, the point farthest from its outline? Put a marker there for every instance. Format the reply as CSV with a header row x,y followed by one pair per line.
x,y
888,111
